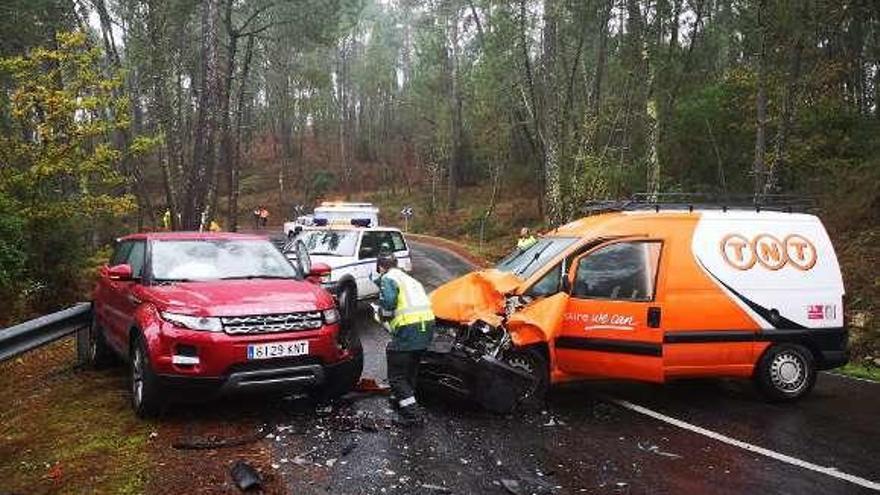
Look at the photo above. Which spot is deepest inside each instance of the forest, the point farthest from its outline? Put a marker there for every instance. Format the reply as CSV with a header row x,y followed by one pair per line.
x,y
483,114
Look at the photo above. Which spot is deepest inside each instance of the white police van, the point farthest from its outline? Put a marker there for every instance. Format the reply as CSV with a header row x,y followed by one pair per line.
x,y
351,251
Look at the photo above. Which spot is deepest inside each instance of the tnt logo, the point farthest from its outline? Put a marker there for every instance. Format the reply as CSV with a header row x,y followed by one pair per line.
x,y
768,251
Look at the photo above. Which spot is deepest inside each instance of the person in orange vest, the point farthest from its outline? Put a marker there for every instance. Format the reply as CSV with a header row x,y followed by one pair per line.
x,y
264,217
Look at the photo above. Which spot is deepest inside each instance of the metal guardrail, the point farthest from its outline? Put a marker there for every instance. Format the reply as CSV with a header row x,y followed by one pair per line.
x,y
21,338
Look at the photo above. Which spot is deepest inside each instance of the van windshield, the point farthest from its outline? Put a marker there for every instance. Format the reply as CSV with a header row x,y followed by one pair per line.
x,y
524,262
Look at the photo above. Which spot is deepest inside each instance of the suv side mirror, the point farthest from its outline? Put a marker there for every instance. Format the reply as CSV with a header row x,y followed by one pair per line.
x,y
320,273
119,272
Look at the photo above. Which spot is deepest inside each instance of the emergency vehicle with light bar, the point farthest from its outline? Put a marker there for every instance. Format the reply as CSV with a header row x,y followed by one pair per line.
x,y
351,251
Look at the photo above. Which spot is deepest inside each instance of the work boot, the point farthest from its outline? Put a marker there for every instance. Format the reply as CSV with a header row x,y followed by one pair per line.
x,y
410,416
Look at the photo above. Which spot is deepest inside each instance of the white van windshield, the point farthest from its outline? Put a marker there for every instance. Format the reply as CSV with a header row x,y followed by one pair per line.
x,y
524,262
330,242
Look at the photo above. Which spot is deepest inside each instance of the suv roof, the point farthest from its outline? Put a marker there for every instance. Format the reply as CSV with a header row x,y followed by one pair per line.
x,y
180,236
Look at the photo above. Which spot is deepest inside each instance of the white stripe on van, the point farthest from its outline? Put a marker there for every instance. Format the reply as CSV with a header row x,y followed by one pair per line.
x,y
828,471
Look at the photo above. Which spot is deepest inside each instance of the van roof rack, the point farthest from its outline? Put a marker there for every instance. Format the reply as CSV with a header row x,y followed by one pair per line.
x,y
704,201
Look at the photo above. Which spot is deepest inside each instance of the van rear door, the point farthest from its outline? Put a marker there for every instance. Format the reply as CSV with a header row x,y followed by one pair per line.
x,y
611,326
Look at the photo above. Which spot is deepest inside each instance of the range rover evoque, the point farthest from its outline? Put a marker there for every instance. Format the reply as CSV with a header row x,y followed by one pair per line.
x,y
206,314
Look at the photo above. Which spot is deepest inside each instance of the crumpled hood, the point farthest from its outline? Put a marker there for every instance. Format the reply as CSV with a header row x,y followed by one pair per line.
x,y
239,297
474,295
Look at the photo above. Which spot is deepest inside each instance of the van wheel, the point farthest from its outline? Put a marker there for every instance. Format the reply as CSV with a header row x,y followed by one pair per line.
x,y
786,372
100,353
533,363
145,392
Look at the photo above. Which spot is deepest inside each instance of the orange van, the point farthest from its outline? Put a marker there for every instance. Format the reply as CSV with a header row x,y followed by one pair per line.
x,y
656,294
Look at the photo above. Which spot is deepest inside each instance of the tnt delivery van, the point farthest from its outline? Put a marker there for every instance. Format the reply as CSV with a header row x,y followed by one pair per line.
x,y
661,294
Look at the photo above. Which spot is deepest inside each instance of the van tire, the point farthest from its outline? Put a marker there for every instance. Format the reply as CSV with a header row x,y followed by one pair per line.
x,y
143,382
100,354
533,362
786,372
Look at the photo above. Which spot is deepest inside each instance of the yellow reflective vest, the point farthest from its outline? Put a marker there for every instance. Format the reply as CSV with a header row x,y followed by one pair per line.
x,y
525,242
413,304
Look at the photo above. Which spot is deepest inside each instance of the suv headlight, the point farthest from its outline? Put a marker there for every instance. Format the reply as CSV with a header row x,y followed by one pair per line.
x,y
331,316
204,323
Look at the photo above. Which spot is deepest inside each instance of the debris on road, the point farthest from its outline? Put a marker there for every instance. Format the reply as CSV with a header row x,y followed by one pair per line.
x,y
512,486
348,448
245,476
214,442
654,449
435,488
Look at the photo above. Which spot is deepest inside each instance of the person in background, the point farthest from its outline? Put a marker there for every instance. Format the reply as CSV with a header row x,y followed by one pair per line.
x,y
214,226
404,303
526,239
264,217
166,219
257,211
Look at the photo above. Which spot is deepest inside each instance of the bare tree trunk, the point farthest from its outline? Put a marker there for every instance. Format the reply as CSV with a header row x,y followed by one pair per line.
x,y
161,107
601,56
205,142
550,115
788,99
455,103
235,159
759,168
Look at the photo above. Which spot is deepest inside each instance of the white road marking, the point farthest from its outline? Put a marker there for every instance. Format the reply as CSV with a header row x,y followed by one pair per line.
x,y
841,375
829,471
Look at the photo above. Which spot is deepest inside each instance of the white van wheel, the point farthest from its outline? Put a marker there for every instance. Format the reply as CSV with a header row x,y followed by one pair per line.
x,y
786,372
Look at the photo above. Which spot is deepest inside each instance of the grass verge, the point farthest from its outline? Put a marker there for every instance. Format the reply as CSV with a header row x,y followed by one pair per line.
x,y
68,430
860,371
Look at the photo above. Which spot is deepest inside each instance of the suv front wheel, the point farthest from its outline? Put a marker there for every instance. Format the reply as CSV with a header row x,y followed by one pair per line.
x,y
145,394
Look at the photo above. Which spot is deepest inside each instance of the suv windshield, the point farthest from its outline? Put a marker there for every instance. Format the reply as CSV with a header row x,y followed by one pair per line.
x,y
330,242
524,262
222,259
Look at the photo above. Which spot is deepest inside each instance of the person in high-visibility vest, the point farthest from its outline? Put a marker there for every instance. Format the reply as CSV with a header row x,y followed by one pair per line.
x,y
405,305
526,239
166,220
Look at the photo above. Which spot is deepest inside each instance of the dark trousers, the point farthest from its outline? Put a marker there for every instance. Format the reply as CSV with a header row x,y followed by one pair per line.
x,y
403,368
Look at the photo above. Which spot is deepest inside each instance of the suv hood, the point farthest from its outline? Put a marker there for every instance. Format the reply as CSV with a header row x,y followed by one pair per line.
x,y
239,297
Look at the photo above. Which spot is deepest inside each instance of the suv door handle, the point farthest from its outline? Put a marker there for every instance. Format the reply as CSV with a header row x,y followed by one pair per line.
x,y
654,317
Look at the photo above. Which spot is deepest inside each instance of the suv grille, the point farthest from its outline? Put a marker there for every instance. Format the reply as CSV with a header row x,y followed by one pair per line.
x,y
288,322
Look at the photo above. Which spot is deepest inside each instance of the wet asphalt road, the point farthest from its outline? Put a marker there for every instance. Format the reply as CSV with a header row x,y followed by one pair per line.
x,y
587,439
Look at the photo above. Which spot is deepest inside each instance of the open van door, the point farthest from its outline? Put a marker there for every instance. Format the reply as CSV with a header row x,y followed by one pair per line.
x,y
612,323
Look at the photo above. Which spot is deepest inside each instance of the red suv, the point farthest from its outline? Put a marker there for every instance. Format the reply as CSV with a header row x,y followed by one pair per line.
x,y
219,313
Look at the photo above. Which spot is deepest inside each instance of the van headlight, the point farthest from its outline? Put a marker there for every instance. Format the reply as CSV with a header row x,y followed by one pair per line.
x,y
203,323
331,316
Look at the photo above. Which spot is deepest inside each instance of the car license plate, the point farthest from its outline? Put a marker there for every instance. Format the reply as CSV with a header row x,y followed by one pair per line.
x,y
278,349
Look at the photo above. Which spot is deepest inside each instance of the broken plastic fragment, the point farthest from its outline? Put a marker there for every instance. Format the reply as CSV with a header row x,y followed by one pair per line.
x,y
245,476
512,486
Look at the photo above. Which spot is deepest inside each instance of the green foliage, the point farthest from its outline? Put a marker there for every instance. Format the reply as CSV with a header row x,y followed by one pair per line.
x,y
62,173
322,182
